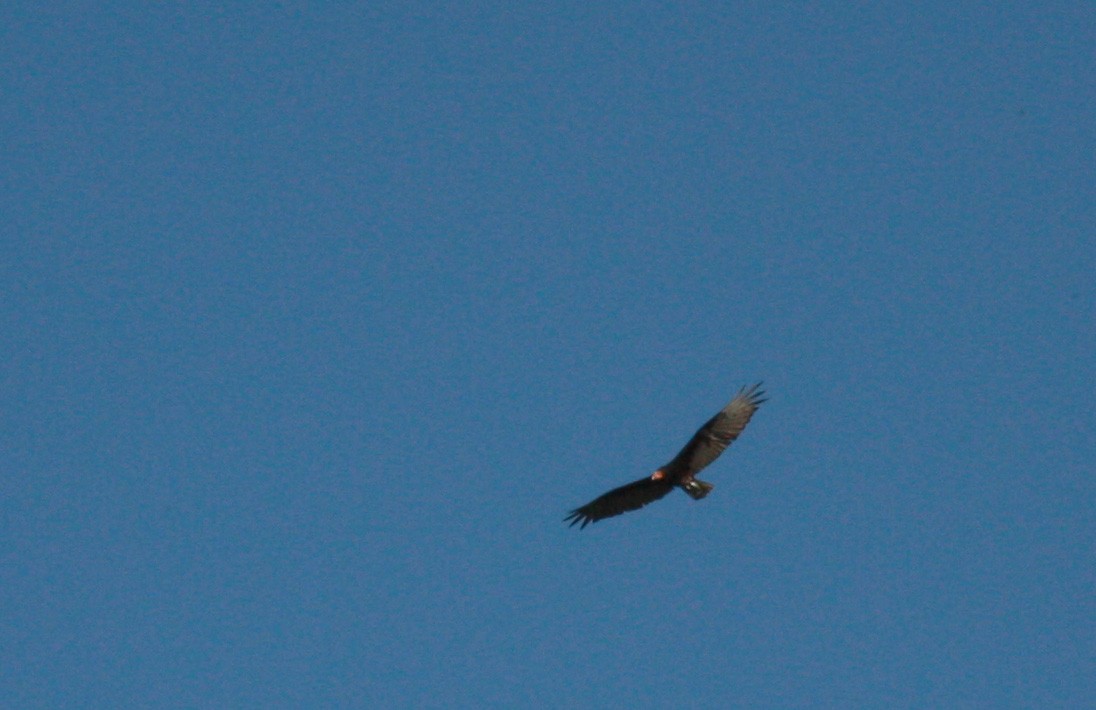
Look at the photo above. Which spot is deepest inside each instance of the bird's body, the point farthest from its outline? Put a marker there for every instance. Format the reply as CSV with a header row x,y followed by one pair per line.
x,y
705,446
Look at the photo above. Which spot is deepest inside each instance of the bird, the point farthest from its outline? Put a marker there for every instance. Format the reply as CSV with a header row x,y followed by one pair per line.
x,y
705,447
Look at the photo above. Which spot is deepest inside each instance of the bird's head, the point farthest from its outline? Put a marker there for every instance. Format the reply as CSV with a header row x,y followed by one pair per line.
x,y
658,475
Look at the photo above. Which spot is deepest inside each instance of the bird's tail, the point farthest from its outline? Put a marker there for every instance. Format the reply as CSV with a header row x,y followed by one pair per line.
x,y
697,489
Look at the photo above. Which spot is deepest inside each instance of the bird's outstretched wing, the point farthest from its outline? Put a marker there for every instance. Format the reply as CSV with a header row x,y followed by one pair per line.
x,y
632,496
717,434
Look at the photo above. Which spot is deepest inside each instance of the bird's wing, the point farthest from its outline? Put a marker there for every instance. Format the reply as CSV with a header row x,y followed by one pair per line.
x,y
632,496
718,433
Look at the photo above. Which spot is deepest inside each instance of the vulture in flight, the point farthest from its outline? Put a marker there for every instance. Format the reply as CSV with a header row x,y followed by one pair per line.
x,y
705,446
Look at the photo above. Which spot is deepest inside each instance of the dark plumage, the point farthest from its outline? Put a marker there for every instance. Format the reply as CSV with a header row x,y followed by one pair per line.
x,y
705,446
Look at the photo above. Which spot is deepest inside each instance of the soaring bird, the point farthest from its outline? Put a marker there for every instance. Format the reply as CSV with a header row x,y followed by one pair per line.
x,y
705,446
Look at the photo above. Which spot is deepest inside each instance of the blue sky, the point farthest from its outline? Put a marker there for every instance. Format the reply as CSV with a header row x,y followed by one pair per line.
x,y
318,319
